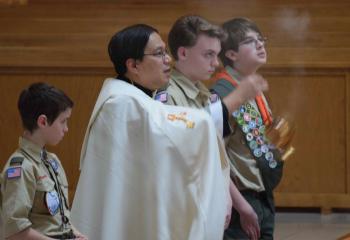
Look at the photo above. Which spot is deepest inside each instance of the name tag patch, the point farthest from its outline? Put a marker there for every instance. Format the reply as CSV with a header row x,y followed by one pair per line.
x,y
54,165
161,97
52,202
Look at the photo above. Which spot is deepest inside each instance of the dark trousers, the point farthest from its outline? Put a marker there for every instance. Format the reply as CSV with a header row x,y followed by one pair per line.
x,y
266,217
68,235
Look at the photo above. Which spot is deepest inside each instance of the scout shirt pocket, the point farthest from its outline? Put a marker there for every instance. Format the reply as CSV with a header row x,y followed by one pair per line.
x,y
39,204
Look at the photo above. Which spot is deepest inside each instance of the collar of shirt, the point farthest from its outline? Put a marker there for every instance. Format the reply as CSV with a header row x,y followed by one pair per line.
x,y
235,75
31,148
190,89
149,92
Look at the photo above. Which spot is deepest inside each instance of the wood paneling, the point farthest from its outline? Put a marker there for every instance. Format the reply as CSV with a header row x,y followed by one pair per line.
x,y
75,34
316,103
64,43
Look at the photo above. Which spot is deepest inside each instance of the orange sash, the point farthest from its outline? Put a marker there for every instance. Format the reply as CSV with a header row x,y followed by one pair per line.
x,y
265,114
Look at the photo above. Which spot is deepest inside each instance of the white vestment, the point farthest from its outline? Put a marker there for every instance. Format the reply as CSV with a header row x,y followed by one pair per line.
x,y
146,173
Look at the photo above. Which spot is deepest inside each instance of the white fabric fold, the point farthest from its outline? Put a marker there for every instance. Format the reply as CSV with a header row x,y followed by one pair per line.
x,y
147,175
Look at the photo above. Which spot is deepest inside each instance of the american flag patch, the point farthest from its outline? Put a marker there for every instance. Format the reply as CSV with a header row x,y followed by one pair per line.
x,y
14,172
162,97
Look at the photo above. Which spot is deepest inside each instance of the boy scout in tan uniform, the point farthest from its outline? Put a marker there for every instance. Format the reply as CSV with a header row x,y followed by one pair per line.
x,y
34,187
195,45
255,163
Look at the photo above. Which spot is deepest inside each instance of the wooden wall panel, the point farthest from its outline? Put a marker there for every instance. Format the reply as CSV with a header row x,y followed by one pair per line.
x,y
347,140
64,43
316,102
58,35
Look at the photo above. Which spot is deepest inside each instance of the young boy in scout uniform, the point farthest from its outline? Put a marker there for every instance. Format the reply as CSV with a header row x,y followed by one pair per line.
x,y
34,188
255,164
195,45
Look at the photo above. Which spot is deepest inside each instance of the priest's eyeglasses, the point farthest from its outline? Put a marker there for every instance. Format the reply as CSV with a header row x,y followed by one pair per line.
x,y
254,41
160,53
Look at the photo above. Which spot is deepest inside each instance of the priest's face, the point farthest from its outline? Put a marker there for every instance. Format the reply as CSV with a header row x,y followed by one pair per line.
x,y
154,68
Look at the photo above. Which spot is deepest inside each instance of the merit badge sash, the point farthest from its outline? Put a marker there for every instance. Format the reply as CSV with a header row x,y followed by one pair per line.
x,y
251,123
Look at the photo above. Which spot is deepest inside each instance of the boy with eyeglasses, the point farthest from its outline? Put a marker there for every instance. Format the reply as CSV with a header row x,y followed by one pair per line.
x,y
256,167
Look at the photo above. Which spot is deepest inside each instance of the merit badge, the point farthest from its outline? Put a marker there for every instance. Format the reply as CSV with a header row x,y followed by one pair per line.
x,y
254,113
249,137
161,97
252,124
269,156
262,129
245,128
240,120
236,114
256,132
273,164
258,121
54,164
246,117
257,152
259,140
52,202
14,172
264,148
253,145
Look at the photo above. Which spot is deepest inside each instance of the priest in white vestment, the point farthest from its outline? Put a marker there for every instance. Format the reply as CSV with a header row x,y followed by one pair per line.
x,y
148,171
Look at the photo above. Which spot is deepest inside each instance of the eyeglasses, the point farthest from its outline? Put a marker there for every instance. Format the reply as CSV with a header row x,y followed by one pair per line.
x,y
254,42
160,53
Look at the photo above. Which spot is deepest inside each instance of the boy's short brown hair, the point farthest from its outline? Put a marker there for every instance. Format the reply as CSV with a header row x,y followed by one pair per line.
x,y
236,30
186,30
41,98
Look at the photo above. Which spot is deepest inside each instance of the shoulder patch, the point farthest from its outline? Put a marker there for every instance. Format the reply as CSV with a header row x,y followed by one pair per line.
x,y
16,161
161,96
14,172
214,98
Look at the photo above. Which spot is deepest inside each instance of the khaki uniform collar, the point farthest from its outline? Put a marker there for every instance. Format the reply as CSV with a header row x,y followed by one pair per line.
x,y
191,90
236,76
31,148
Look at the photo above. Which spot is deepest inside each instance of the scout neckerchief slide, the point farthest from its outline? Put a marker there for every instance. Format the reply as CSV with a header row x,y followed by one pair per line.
x,y
253,123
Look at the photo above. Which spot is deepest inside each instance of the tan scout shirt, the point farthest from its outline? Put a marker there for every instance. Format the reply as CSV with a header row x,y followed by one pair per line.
x,y
243,165
183,92
23,196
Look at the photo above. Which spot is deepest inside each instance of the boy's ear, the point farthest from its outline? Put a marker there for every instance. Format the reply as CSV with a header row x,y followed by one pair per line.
x,y
182,53
131,65
42,121
231,54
